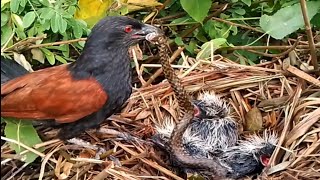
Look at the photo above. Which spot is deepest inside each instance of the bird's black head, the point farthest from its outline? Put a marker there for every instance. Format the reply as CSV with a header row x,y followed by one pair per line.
x,y
120,30
261,147
265,153
208,106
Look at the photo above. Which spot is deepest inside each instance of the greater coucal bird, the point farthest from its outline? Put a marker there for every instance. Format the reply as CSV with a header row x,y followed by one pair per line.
x,y
79,95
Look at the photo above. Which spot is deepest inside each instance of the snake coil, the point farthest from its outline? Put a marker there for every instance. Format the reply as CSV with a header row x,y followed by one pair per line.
x,y
176,144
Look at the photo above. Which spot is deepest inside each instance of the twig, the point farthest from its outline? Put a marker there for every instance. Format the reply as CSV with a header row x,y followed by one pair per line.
x,y
303,75
19,170
265,47
139,73
159,71
27,147
309,35
236,24
174,16
21,45
164,5
280,54
57,43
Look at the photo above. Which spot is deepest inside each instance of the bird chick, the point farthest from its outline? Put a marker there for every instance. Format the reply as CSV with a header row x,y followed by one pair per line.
x,y
249,156
213,134
212,128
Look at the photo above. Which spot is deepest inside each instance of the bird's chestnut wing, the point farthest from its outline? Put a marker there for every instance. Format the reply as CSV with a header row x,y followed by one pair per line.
x,y
51,93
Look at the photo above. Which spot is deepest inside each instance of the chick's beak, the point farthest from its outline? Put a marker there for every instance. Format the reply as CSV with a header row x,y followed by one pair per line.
x,y
147,32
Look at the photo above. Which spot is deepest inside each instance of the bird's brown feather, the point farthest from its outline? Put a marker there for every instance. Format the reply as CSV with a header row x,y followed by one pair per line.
x,y
51,93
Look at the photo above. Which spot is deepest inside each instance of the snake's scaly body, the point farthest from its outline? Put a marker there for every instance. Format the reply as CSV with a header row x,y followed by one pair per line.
x,y
211,165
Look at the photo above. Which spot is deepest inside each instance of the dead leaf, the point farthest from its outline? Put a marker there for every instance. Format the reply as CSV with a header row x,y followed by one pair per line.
x,y
19,58
143,114
171,111
134,5
274,102
37,54
306,67
254,120
64,166
85,154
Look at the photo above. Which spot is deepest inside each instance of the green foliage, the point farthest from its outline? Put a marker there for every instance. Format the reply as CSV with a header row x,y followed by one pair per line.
x,y
24,132
208,48
197,9
287,20
30,18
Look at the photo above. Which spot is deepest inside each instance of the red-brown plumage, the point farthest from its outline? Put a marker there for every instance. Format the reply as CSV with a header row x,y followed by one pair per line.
x,y
51,94
82,94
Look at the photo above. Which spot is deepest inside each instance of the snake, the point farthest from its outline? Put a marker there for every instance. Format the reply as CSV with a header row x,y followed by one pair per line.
x,y
176,143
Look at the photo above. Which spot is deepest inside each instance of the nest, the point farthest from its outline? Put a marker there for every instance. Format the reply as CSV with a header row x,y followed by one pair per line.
x,y
265,96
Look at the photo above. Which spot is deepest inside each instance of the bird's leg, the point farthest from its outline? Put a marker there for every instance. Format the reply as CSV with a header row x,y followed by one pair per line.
x,y
125,136
88,145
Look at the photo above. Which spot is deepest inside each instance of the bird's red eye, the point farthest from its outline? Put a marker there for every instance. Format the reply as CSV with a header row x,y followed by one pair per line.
x,y
128,29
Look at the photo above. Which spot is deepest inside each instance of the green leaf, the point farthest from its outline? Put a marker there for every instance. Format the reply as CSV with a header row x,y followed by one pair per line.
x,y
45,2
77,31
287,20
62,25
17,21
178,41
28,19
21,34
14,5
49,55
216,29
6,32
47,13
316,20
4,19
210,47
4,2
23,3
240,11
247,2
31,32
197,9
191,46
71,10
60,59
24,132
54,23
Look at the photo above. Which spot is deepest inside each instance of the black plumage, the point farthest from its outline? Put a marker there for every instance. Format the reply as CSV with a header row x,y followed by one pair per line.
x,y
82,94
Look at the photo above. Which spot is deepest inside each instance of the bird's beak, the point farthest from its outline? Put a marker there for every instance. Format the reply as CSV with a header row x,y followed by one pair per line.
x,y
147,32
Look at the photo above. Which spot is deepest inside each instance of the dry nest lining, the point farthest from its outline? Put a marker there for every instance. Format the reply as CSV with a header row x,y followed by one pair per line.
x,y
265,96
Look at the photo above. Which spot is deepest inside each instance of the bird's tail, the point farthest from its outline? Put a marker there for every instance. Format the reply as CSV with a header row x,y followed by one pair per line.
x,y
10,69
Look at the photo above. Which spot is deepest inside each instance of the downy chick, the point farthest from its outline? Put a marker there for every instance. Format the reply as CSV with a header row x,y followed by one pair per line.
x,y
212,128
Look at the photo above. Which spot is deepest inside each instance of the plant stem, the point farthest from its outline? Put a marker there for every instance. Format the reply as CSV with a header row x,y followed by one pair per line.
x,y
309,35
